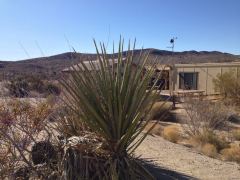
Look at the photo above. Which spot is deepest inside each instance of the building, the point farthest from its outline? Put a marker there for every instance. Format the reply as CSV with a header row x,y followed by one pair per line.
x,y
187,77
90,65
200,76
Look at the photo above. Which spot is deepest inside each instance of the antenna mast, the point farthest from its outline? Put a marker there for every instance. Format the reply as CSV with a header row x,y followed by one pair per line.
x,y
172,41
171,84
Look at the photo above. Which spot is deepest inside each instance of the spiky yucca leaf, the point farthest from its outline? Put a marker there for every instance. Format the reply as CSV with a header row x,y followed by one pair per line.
x,y
113,99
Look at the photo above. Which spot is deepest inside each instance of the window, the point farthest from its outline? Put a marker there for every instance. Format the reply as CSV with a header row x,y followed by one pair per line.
x,y
188,80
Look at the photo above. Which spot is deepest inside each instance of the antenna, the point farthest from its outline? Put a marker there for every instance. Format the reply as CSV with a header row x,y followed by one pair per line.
x,y
171,84
172,42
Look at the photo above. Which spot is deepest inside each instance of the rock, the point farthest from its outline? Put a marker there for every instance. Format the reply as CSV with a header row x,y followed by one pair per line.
x,y
43,152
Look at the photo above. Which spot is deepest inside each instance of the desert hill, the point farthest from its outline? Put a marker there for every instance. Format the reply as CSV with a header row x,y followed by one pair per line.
x,y
50,67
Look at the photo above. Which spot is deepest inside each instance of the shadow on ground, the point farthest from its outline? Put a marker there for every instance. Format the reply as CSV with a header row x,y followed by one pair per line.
x,y
161,173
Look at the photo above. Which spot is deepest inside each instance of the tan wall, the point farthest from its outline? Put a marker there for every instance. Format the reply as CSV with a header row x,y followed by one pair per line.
x,y
205,76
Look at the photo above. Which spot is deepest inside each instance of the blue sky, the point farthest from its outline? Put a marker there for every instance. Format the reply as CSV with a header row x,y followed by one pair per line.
x,y
52,25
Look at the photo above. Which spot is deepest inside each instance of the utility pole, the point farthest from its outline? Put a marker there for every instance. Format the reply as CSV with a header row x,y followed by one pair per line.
x,y
171,84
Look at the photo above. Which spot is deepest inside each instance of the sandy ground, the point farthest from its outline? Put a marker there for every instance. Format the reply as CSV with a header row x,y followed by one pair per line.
x,y
175,161
180,162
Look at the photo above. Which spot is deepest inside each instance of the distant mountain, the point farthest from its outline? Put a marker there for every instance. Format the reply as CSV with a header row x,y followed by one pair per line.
x,y
50,67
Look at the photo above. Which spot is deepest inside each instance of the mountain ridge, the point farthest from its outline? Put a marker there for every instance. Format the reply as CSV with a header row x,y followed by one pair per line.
x,y
51,66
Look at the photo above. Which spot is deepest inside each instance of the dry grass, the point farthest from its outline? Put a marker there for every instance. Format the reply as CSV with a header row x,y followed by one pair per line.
x,y
232,153
171,133
236,134
209,150
157,130
211,138
160,110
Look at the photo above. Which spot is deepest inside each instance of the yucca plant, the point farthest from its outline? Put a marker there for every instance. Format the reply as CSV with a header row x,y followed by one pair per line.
x,y
113,100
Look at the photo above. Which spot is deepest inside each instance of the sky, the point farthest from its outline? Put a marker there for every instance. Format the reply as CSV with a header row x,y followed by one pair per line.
x,y
34,28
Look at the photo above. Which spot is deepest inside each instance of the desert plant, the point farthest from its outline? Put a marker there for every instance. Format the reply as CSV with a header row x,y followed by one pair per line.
x,y
51,88
204,116
232,153
18,87
228,84
113,102
22,124
236,134
24,86
160,110
171,133
157,130
211,138
209,150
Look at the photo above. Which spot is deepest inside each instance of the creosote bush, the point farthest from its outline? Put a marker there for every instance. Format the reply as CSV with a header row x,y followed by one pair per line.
x,y
204,120
204,116
228,84
113,99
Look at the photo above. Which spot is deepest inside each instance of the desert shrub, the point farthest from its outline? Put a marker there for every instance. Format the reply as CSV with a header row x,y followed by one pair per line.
x,y
228,84
18,87
157,130
113,102
171,133
51,88
204,116
236,134
68,123
36,84
209,150
209,137
22,124
160,110
24,86
232,153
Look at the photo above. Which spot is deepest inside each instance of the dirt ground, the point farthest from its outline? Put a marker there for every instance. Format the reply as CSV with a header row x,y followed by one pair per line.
x,y
176,161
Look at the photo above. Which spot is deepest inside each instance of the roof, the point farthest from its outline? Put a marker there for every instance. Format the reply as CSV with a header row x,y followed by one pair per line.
x,y
160,67
90,64
226,64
